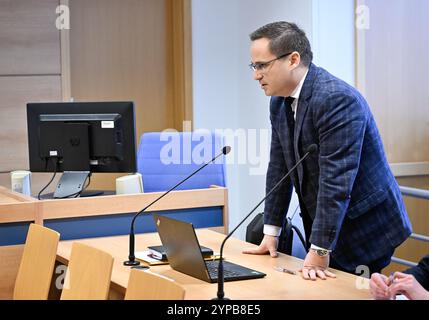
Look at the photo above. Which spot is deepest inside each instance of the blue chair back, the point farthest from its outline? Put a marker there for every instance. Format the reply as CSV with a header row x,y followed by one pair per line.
x,y
166,158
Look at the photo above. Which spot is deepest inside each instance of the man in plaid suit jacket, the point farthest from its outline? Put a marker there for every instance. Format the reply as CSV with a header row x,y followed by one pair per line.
x,y
351,206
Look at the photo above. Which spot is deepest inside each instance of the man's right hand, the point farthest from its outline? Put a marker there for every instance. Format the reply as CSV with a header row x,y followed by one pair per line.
x,y
268,245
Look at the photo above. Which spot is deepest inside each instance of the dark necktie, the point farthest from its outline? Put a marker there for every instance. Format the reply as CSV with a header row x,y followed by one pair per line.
x,y
290,116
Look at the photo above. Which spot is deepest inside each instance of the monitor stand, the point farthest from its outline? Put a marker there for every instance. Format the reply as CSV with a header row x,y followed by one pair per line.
x,y
71,184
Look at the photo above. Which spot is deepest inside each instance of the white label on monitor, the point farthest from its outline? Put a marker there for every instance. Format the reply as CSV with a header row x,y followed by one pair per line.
x,y
107,124
53,153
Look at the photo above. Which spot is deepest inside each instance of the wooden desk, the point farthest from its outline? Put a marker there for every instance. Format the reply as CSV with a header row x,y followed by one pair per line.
x,y
275,285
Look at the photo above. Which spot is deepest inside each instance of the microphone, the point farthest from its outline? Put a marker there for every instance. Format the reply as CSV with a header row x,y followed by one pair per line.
x,y
220,277
131,257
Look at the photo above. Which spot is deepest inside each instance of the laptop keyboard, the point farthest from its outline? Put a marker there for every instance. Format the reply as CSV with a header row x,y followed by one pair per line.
x,y
212,267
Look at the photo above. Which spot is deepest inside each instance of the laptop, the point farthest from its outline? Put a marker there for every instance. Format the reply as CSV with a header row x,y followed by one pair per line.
x,y
184,253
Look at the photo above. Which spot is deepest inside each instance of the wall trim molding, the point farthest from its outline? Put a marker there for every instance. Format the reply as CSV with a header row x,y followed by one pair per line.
x,y
180,25
407,169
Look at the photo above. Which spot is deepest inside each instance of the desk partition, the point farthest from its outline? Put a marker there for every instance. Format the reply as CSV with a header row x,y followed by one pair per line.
x,y
101,216
107,215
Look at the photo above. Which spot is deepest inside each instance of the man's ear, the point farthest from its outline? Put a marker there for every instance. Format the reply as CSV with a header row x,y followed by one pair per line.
x,y
295,59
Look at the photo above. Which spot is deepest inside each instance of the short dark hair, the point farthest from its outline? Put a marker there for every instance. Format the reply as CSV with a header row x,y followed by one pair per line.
x,y
285,37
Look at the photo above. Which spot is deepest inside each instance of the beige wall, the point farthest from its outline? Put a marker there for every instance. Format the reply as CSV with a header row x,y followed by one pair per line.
x,y
392,69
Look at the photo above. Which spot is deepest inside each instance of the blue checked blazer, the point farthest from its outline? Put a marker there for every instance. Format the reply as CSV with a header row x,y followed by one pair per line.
x,y
346,188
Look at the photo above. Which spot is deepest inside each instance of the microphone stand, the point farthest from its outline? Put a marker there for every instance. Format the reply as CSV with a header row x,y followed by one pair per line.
x,y
131,257
220,279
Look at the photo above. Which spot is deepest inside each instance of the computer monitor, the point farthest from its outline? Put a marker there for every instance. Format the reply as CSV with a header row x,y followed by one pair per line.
x,y
78,138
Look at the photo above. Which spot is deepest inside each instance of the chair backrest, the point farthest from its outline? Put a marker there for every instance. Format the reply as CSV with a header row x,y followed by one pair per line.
x,y
88,274
37,264
289,242
145,285
298,248
165,158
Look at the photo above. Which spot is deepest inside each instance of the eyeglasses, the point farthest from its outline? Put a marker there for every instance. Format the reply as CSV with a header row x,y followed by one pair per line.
x,y
260,66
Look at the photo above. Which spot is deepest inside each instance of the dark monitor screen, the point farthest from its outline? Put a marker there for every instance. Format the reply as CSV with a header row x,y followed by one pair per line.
x,y
82,137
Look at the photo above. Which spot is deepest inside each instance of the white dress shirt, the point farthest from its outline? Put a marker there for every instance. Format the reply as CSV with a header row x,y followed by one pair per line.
x,y
296,93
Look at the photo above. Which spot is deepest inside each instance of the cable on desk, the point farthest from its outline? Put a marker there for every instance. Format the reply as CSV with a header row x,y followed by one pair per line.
x,y
53,176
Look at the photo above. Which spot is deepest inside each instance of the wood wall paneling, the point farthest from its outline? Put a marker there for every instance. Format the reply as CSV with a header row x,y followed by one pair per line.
x,y
29,39
119,52
15,93
135,50
29,72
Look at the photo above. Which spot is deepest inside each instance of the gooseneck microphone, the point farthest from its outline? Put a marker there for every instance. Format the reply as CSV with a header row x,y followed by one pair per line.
x,y
131,257
220,278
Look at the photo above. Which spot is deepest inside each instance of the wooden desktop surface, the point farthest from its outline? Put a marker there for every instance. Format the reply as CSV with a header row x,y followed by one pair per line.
x,y
276,285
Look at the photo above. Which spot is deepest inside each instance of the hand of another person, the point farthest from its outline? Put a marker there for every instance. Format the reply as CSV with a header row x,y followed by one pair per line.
x,y
316,266
379,287
268,245
407,285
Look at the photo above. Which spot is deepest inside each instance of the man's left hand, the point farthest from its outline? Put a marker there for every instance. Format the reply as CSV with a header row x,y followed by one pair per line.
x,y
316,266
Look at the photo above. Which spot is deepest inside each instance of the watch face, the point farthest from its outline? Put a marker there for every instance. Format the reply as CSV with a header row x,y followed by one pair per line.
x,y
322,253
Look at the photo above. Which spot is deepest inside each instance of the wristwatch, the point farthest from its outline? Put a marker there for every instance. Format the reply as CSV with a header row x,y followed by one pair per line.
x,y
321,252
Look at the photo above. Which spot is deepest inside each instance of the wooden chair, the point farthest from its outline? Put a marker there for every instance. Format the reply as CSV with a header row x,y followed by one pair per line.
x,y
37,264
145,285
88,274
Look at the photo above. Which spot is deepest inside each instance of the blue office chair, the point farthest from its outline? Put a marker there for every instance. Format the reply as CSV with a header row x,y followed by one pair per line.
x,y
165,158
